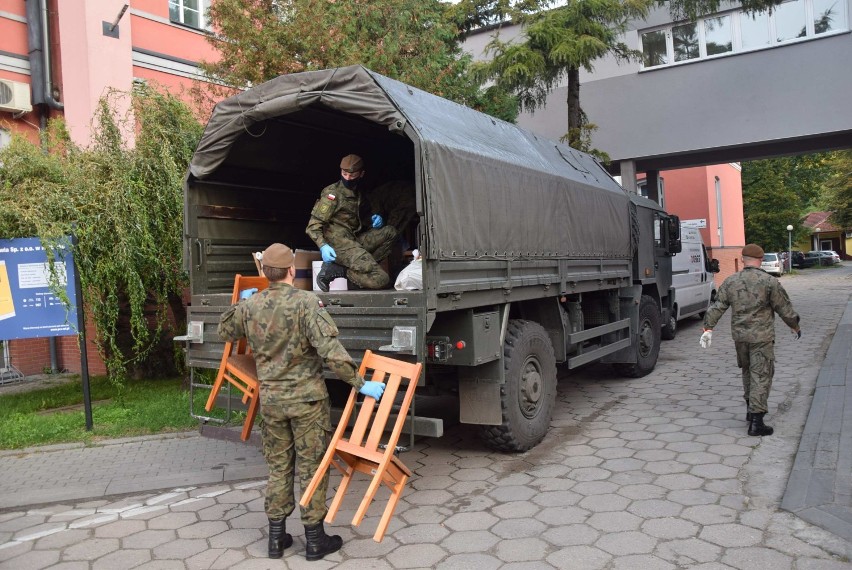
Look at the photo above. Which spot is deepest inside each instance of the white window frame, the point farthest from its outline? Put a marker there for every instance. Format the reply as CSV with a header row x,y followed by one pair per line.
x,y
736,31
203,5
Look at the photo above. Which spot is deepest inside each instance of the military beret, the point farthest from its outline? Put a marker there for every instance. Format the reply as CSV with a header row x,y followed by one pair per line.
x,y
278,255
753,250
352,163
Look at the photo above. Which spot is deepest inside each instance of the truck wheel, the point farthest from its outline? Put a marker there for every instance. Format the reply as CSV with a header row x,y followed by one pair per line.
x,y
670,329
648,348
528,397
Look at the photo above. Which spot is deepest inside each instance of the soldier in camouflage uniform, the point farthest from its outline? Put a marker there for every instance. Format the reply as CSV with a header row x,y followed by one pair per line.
x,y
755,297
291,335
351,247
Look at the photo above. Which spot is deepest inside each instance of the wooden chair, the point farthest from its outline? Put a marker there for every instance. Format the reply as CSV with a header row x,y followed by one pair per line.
x,y
238,366
360,452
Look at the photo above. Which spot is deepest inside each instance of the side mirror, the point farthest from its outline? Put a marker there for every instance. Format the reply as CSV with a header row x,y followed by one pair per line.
x,y
714,266
674,246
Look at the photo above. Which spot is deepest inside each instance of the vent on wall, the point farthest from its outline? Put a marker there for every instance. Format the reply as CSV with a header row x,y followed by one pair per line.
x,y
14,96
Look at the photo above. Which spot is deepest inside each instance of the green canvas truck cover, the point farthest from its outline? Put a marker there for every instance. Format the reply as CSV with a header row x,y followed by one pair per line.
x,y
486,188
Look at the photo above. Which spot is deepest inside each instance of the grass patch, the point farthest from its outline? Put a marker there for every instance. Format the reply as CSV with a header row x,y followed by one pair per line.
x,y
144,407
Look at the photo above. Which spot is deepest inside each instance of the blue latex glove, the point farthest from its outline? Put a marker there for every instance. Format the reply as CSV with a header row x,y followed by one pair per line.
x,y
246,293
378,221
373,389
328,253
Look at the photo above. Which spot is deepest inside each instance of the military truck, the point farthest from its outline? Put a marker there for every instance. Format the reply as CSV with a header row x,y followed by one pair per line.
x,y
532,255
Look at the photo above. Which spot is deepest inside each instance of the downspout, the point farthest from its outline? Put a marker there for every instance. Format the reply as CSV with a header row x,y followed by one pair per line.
x,y
38,37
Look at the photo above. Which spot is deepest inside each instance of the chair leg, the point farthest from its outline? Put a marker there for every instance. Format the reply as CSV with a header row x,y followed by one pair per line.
x,y
338,496
368,497
396,493
252,412
214,391
309,491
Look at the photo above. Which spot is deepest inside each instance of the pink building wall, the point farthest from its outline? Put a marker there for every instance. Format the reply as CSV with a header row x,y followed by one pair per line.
x,y
690,193
94,62
86,64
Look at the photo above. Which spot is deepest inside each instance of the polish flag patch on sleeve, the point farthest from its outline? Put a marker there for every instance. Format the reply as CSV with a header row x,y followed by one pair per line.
x,y
331,197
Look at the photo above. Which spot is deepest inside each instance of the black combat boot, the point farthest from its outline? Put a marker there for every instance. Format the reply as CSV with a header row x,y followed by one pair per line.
x,y
757,427
319,543
749,415
329,272
278,539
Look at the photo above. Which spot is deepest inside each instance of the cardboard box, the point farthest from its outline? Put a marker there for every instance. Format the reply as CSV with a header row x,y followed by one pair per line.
x,y
304,268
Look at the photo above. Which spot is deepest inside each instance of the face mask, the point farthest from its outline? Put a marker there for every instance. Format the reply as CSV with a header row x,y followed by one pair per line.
x,y
350,184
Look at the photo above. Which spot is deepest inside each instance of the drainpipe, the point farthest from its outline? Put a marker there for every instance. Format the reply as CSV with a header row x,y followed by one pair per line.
x,y
38,38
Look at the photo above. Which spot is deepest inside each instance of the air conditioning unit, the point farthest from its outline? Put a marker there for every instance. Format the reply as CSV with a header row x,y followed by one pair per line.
x,y
14,96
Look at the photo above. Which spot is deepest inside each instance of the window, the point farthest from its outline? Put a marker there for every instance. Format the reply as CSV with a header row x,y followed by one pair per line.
x,y
754,30
718,36
685,38
5,138
790,21
190,13
827,15
736,31
654,48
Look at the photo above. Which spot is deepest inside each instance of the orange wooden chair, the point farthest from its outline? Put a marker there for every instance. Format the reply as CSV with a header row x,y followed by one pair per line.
x,y
238,366
360,452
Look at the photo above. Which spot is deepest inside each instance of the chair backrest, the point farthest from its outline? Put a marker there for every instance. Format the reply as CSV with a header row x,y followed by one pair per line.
x,y
372,420
241,283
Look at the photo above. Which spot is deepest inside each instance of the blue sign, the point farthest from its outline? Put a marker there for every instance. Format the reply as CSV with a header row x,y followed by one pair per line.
x,y
29,308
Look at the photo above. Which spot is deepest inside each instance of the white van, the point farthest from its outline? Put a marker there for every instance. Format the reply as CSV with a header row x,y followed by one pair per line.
x,y
692,281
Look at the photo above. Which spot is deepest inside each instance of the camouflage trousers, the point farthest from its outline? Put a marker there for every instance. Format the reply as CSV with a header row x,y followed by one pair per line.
x,y
757,361
295,436
361,256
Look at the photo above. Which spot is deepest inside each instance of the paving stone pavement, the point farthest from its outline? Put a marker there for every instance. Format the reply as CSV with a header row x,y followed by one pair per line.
x,y
649,473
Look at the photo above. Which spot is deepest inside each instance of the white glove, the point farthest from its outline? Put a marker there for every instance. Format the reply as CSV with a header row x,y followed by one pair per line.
x,y
706,339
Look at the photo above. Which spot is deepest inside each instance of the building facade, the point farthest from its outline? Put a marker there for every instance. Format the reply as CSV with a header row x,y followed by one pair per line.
x,y
58,58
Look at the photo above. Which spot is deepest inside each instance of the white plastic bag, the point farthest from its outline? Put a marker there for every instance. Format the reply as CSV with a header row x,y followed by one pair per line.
x,y
411,278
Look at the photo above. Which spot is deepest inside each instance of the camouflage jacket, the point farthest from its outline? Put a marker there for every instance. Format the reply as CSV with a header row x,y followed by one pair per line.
x,y
290,335
336,212
755,297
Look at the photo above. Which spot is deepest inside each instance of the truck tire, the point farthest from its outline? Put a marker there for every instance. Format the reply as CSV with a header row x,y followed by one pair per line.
x,y
529,394
649,338
670,328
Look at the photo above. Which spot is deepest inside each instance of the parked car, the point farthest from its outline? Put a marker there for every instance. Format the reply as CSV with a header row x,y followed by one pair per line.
x,y
824,257
802,261
835,258
772,264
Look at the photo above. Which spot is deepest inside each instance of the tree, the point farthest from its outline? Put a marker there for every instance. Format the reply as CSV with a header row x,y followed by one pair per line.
x,y
780,191
838,189
555,45
414,41
770,204
127,204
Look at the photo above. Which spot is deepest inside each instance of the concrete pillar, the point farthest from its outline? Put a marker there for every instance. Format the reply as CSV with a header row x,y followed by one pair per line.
x,y
652,179
628,176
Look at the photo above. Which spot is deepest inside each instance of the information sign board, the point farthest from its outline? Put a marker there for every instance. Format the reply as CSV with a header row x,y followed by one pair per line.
x,y
28,306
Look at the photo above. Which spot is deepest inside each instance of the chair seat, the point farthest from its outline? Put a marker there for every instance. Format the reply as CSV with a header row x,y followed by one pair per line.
x,y
244,365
